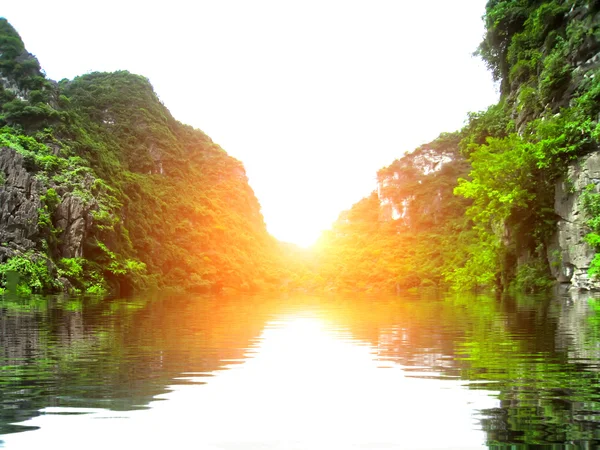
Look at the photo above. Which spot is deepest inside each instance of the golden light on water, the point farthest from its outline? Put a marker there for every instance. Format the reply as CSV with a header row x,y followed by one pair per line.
x,y
303,384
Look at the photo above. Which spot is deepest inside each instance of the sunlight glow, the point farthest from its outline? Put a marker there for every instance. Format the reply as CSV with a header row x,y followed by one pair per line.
x,y
313,97
297,389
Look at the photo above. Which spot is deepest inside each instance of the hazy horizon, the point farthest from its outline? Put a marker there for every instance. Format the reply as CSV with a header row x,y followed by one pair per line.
x,y
312,98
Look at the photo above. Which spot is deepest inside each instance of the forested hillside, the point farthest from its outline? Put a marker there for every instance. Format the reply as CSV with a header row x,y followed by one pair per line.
x,y
404,234
514,199
102,190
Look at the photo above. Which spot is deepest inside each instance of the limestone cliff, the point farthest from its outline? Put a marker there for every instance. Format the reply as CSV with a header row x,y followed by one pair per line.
x,y
569,254
414,190
19,204
546,56
102,190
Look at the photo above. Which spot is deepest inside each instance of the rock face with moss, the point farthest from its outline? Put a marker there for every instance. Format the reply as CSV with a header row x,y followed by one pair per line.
x,y
101,189
547,56
569,253
74,217
19,204
528,176
542,208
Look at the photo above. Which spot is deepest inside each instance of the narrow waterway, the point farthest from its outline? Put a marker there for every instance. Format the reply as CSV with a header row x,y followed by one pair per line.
x,y
299,372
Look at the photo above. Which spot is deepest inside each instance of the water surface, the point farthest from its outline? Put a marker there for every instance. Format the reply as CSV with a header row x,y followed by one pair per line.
x,y
299,372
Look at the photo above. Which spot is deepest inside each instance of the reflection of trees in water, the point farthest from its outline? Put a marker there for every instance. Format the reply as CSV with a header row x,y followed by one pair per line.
x,y
541,355
549,393
577,334
115,354
395,344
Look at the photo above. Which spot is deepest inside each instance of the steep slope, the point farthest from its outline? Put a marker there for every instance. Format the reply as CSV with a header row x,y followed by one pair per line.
x,y
546,56
531,170
405,234
103,190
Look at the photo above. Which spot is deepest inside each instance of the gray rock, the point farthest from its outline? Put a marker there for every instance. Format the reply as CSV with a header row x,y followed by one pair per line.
x,y
73,217
20,201
19,204
568,254
11,86
66,285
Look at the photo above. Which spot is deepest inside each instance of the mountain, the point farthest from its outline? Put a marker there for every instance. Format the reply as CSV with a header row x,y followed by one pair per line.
x,y
102,190
513,199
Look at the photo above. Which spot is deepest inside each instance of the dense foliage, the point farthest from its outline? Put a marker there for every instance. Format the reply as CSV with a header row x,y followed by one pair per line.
x,y
162,204
472,209
545,56
405,235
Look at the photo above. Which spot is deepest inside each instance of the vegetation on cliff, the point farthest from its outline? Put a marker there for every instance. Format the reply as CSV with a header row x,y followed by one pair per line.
x,y
99,166
504,164
401,236
126,196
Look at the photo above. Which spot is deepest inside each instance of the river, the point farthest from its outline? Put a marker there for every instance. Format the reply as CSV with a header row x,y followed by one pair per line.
x,y
427,371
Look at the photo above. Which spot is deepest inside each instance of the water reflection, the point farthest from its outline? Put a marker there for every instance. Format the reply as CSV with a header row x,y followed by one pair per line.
x,y
304,384
303,372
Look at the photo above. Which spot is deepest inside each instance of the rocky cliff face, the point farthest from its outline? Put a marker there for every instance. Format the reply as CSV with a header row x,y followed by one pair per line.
x,y
103,190
568,253
417,188
74,220
546,56
19,204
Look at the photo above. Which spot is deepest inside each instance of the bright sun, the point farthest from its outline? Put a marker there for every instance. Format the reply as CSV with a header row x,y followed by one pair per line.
x,y
293,220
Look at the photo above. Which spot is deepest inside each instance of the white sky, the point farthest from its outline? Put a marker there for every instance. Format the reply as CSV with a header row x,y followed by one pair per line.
x,y
313,96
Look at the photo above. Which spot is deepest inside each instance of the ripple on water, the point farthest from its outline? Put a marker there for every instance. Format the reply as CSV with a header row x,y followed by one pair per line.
x,y
299,373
